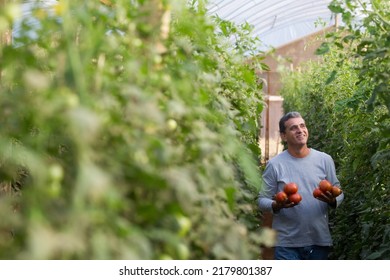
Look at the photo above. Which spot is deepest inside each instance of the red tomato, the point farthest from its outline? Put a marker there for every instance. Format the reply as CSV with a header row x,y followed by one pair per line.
x,y
290,188
325,186
317,192
336,191
281,197
295,197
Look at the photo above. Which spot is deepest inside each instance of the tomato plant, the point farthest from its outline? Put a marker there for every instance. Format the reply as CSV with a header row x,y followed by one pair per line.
x,y
137,128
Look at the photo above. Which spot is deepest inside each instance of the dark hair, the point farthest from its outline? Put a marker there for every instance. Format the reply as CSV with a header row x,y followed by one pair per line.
x,y
286,117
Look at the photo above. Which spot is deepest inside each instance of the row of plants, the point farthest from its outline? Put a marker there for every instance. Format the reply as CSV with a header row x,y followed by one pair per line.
x,y
345,100
128,131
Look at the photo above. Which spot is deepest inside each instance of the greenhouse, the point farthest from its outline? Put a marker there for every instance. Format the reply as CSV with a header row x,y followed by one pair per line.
x,y
153,130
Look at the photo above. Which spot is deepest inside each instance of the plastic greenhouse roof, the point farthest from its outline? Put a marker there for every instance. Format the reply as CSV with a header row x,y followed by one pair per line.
x,y
276,22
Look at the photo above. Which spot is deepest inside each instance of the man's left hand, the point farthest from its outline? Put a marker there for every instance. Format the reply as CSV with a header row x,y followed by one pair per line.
x,y
328,198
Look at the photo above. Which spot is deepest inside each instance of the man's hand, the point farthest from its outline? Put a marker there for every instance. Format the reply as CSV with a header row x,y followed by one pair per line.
x,y
276,206
328,198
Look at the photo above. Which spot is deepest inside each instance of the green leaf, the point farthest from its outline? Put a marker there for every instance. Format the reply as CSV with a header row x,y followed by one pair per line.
x,y
377,255
230,196
371,100
250,169
323,49
335,8
348,38
347,16
332,77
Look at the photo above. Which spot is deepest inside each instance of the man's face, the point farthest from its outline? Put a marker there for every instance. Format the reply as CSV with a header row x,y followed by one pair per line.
x,y
296,133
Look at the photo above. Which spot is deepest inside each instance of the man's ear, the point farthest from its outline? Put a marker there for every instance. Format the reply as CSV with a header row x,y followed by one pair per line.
x,y
283,136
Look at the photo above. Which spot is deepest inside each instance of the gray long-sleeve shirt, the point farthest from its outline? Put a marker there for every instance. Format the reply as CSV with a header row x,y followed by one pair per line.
x,y
307,223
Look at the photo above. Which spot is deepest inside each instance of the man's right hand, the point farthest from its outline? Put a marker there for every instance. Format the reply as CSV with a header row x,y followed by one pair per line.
x,y
276,206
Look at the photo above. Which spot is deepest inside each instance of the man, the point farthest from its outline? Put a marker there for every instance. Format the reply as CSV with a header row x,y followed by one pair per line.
x,y
302,229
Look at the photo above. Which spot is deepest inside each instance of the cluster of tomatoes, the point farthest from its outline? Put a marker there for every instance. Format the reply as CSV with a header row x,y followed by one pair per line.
x,y
325,186
290,192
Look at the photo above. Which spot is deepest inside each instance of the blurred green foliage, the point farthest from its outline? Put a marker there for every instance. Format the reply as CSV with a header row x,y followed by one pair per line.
x,y
136,124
